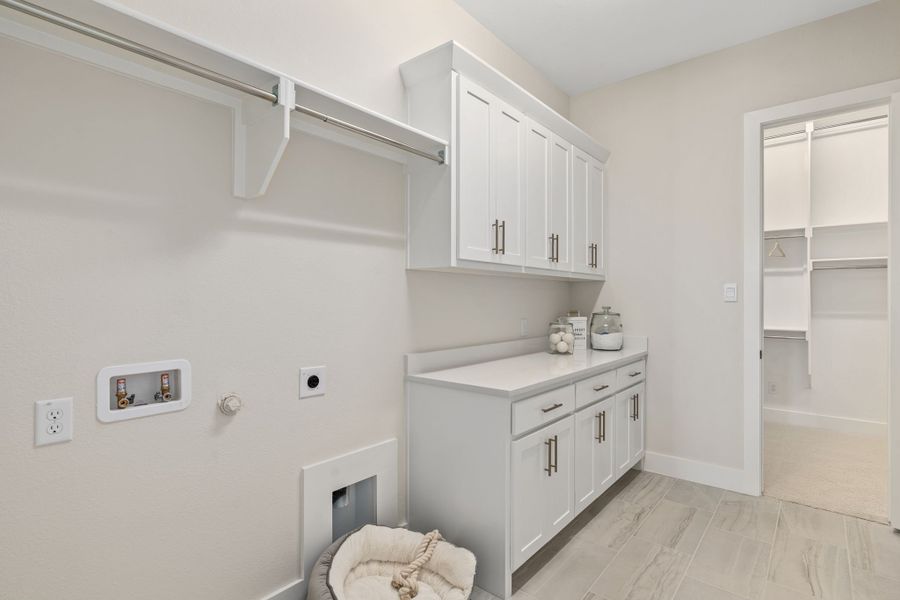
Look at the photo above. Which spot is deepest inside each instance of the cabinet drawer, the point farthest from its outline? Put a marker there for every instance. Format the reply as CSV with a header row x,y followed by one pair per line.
x,y
595,388
537,410
631,374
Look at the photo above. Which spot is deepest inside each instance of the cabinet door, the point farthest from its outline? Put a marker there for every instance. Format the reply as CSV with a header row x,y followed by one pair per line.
x,y
636,424
509,182
530,457
588,255
596,217
623,419
537,195
594,461
559,493
476,235
560,213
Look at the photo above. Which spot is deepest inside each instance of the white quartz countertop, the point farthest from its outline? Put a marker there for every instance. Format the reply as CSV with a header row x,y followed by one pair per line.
x,y
520,376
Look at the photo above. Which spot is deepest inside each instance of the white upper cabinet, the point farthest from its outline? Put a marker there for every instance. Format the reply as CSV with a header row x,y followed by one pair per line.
x,y
506,201
588,214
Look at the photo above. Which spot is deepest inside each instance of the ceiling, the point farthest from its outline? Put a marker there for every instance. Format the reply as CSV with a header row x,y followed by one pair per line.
x,y
583,44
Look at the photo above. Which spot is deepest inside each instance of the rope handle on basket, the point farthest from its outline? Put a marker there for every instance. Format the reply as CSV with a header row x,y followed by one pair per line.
x,y
406,580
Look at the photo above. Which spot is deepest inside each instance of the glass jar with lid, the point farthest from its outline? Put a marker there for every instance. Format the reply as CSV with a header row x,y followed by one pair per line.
x,y
606,330
562,338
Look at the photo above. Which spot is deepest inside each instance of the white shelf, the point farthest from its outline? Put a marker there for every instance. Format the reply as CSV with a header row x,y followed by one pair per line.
x,y
784,270
785,333
780,234
261,129
863,262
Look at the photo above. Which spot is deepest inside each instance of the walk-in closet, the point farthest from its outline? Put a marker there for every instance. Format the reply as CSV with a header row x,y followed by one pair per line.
x,y
825,312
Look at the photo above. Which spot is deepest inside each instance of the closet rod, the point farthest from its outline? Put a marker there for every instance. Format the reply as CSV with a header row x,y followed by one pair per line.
x,y
784,337
855,122
56,18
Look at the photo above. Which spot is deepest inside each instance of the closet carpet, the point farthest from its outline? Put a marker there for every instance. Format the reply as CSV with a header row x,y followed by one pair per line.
x,y
842,472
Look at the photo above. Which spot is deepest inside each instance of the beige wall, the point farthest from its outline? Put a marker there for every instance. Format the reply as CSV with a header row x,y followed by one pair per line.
x,y
676,195
120,242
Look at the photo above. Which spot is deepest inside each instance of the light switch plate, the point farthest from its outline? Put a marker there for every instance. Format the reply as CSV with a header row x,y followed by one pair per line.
x,y
52,421
730,292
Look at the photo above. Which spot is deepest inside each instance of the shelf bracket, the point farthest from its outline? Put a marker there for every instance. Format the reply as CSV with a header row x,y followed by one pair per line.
x,y
261,133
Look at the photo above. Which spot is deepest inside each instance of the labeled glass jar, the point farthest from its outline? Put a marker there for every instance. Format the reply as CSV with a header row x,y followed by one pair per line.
x,y
561,337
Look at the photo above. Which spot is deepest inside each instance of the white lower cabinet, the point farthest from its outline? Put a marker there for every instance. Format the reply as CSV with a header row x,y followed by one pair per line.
x,y
542,494
629,435
595,468
501,473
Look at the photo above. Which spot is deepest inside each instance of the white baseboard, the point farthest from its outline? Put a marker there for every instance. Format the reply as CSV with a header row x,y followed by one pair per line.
x,y
292,591
805,419
719,476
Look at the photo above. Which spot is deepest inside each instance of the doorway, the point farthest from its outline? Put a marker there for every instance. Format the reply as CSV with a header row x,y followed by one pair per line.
x,y
818,253
825,312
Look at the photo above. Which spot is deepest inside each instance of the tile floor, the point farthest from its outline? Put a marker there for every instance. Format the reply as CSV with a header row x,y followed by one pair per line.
x,y
652,537
842,472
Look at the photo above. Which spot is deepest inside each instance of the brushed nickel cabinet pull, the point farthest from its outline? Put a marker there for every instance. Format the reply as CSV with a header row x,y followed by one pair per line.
x,y
551,247
496,228
633,407
557,249
603,435
599,436
598,388
552,455
637,407
550,408
634,373
503,237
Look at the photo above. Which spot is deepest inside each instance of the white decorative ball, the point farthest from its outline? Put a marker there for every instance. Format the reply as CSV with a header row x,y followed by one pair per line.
x,y
568,338
562,347
555,338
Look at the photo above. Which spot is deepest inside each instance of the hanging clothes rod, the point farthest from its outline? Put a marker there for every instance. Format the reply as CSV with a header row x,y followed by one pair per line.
x,y
784,337
845,267
61,20
799,131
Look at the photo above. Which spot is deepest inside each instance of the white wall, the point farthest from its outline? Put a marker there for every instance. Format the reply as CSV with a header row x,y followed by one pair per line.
x,y
120,242
676,195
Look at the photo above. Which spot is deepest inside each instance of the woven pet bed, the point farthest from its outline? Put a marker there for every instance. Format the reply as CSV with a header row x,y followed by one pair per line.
x,y
385,563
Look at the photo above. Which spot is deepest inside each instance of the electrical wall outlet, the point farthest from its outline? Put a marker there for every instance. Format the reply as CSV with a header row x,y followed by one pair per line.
x,y
312,382
52,421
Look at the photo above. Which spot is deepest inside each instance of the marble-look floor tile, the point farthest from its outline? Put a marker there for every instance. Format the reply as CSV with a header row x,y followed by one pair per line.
x,y
810,566
575,569
642,571
615,524
874,547
778,592
675,526
646,489
813,523
732,562
699,496
869,586
750,516
691,589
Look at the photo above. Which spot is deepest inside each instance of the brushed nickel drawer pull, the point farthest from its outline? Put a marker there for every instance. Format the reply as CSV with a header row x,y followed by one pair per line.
x,y
549,408
634,373
599,388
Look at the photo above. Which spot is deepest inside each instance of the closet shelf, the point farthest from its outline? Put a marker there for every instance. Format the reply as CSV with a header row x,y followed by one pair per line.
x,y
780,234
265,103
785,334
784,270
864,262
